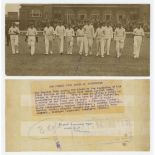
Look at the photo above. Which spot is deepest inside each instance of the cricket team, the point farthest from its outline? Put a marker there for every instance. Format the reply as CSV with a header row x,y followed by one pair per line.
x,y
85,35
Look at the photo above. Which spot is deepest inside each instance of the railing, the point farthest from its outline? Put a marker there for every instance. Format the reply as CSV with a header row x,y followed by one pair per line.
x,y
147,34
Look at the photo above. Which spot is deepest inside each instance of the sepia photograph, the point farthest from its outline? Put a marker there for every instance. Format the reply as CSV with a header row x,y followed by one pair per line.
x,y
77,39
77,76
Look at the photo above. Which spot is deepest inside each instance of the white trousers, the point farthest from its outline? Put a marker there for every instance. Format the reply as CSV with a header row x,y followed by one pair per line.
x,y
85,40
61,43
119,46
90,45
99,45
48,41
69,44
107,44
102,46
137,45
90,42
80,41
14,43
31,43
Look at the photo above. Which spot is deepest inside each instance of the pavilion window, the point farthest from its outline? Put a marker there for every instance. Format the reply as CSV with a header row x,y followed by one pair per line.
x,y
82,17
107,17
36,13
120,17
57,16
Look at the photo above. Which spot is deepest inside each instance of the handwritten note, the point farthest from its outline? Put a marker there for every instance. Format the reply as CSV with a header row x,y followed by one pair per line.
x,y
98,127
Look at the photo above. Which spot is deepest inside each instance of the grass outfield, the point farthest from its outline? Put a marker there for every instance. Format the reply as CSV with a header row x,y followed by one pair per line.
x,y
76,65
